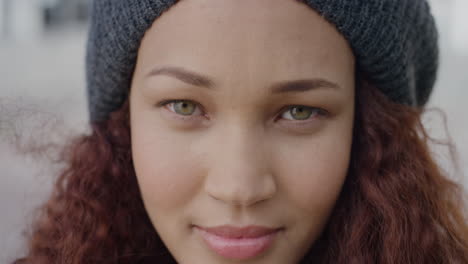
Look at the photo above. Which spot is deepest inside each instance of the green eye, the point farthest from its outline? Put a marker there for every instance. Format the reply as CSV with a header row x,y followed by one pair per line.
x,y
184,107
301,112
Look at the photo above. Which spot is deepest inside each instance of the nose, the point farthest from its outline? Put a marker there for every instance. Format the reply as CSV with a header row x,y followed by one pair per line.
x,y
239,172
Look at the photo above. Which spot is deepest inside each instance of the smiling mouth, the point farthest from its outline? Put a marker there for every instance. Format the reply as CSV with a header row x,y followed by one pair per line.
x,y
238,243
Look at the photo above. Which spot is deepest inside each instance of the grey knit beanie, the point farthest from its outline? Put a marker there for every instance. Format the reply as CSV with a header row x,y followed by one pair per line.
x,y
394,41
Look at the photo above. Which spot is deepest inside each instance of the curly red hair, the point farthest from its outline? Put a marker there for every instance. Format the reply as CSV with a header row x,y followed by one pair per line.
x,y
396,205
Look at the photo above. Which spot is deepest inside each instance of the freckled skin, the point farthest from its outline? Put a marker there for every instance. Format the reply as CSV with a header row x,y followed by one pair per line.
x,y
242,161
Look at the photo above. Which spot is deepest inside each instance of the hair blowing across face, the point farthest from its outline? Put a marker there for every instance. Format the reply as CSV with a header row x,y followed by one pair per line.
x,y
396,205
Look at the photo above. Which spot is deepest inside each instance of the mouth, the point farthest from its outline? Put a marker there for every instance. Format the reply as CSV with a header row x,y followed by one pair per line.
x,y
238,243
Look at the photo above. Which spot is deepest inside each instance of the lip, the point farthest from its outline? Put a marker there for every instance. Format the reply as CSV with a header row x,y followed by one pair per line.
x,y
238,242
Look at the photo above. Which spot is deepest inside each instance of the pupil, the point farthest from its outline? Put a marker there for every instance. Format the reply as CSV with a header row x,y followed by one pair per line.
x,y
300,113
183,108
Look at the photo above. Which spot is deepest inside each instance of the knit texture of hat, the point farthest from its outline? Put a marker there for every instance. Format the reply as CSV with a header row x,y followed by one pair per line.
x,y
395,43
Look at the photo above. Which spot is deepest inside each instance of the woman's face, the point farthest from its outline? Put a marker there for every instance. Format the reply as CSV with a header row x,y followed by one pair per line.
x,y
247,167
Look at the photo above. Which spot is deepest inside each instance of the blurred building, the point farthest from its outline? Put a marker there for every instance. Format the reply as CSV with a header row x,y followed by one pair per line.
x,y
27,18
57,12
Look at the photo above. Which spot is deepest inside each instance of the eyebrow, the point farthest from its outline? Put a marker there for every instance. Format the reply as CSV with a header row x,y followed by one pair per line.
x,y
199,80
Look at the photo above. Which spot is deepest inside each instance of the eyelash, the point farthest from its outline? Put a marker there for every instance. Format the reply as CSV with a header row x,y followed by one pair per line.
x,y
320,112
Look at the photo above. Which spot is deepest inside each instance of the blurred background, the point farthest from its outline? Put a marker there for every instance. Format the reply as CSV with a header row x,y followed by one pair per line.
x,y
42,96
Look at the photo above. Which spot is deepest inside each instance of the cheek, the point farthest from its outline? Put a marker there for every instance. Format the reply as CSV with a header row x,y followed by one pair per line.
x,y
315,174
165,172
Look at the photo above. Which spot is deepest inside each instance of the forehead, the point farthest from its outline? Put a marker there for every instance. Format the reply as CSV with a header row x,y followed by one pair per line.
x,y
281,38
